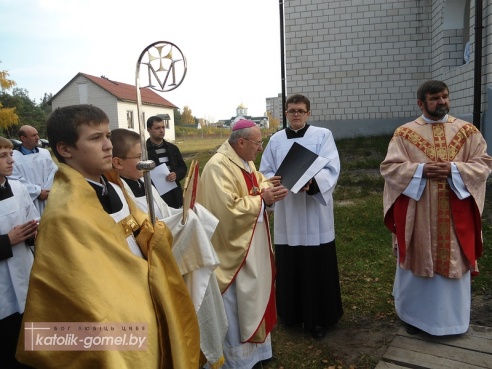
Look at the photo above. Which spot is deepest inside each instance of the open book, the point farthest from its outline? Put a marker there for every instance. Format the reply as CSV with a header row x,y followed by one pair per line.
x,y
299,166
190,189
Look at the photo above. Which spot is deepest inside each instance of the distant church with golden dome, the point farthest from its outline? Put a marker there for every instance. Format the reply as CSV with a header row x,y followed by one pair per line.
x,y
242,113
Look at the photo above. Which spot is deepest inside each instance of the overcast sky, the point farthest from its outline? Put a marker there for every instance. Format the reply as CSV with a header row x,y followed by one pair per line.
x,y
232,47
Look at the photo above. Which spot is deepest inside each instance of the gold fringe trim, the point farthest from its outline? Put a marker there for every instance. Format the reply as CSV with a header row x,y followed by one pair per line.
x,y
218,363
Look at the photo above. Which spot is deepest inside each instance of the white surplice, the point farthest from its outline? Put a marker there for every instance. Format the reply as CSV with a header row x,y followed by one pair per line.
x,y
15,271
36,171
314,223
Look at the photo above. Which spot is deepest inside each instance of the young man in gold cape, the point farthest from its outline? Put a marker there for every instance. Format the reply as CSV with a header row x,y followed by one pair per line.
x,y
99,259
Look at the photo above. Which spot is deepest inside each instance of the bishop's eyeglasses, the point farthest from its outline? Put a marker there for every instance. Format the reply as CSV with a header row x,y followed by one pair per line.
x,y
257,143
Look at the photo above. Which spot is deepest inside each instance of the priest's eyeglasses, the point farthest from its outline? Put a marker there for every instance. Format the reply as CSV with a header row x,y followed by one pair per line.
x,y
257,143
296,112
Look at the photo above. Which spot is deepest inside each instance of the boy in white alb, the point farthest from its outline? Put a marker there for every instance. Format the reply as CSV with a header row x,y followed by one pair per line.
x,y
18,225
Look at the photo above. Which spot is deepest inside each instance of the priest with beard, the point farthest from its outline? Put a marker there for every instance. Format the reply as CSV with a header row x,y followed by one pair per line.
x,y
435,176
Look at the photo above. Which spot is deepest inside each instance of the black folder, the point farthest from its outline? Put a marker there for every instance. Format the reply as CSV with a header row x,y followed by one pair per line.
x,y
295,165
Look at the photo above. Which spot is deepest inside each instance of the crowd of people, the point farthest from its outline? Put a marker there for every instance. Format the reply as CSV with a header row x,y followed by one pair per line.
x,y
77,243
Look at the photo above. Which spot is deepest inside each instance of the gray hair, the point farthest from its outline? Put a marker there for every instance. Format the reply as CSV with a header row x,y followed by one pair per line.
x,y
240,133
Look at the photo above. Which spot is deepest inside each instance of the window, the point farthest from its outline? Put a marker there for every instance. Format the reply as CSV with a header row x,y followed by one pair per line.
x,y
456,33
83,94
129,118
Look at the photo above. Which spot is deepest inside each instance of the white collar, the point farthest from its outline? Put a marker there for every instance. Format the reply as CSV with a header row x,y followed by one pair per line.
x,y
297,130
442,120
246,166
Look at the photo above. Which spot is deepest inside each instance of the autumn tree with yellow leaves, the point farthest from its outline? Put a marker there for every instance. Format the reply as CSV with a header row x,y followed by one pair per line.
x,y
274,122
187,117
8,117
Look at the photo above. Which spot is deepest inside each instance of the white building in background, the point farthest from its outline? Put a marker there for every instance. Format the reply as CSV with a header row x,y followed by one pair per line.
x,y
360,62
241,110
242,113
118,100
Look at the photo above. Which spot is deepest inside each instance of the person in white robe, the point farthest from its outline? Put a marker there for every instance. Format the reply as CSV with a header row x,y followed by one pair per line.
x,y
435,174
237,194
18,224
34,167
308,286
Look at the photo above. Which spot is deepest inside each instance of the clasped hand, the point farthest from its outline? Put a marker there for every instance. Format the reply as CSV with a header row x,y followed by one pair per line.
x,y
438,170
23,232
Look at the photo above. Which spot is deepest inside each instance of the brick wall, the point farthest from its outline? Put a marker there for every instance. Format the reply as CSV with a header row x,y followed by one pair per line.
x,y
361,60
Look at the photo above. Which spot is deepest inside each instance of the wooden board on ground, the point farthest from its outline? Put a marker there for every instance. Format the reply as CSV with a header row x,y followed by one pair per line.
x,y
467,351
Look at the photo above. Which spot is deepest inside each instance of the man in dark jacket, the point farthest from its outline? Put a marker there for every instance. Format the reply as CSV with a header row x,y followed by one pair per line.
x,y
163,152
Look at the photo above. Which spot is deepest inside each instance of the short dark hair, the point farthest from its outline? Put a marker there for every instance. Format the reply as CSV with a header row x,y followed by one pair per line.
x,y
298,99
152,119
123,140
63,124
430,87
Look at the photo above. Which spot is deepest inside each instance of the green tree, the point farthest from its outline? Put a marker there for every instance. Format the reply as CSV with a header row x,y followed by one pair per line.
x,y
26,109
177,117
44,105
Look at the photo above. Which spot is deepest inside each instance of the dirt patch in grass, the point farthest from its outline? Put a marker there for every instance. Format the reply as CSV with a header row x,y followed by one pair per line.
x,y
357,342
345,346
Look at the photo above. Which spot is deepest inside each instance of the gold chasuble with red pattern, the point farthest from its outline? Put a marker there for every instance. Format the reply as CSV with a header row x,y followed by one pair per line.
x,y
242,239
439,233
